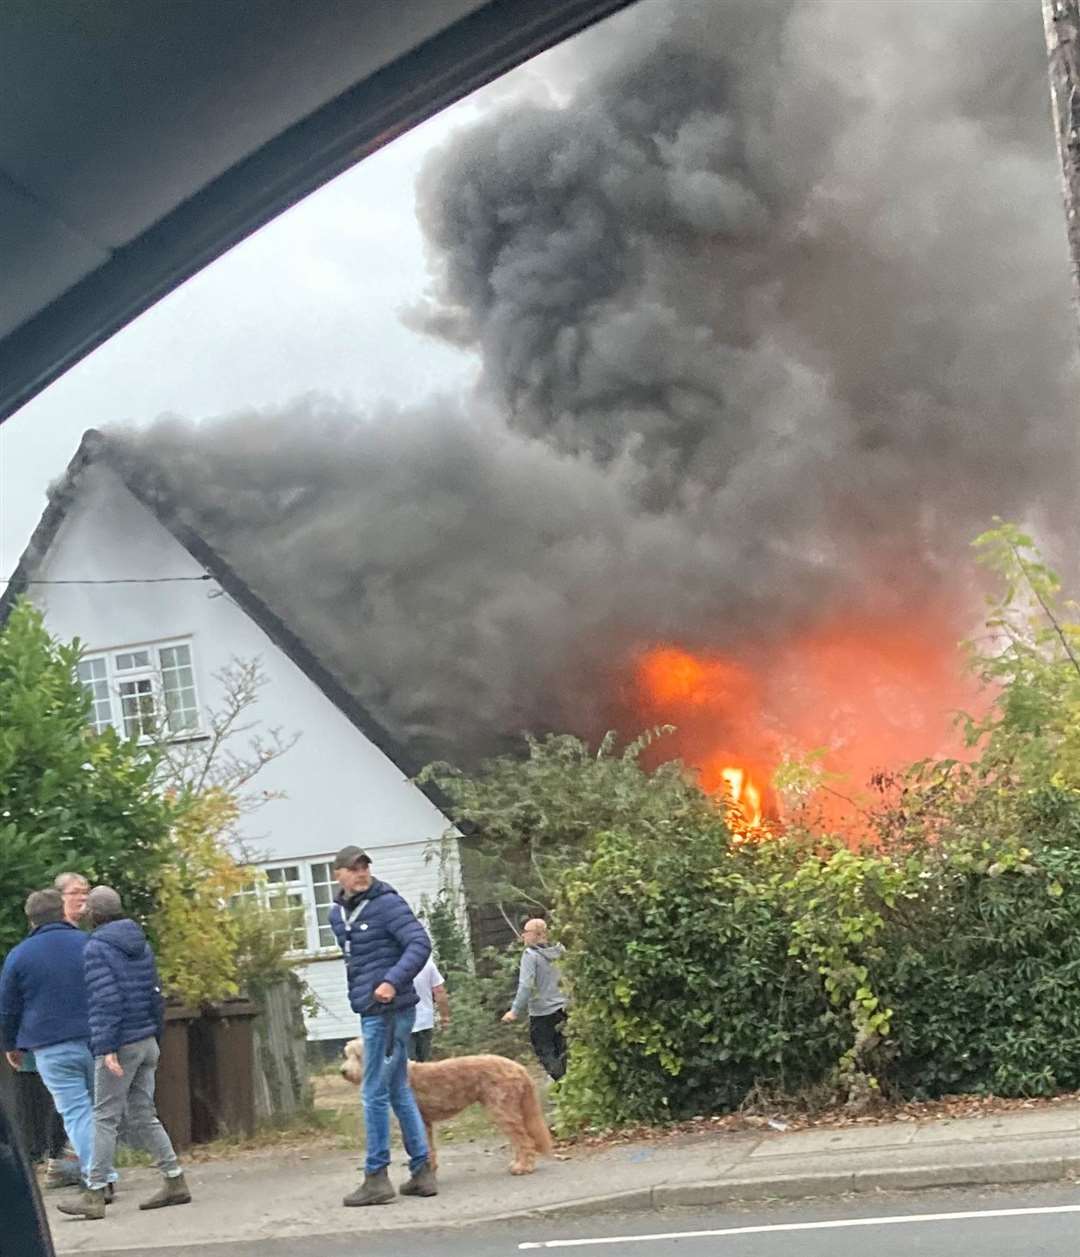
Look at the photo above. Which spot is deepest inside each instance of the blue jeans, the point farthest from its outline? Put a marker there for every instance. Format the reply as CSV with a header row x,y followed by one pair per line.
x,y
386,1086
67,1070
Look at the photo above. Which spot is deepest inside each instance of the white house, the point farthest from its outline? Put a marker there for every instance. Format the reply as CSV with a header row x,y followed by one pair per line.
x,y
95,566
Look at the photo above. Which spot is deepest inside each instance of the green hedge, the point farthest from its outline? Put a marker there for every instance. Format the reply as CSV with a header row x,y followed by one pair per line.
x,y
986,977
702,970
684,993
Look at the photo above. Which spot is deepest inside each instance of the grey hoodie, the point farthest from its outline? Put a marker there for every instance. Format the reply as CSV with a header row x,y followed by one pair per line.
x,y
538,984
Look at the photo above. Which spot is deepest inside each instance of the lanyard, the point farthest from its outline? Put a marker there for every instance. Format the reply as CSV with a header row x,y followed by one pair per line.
x,y
353,916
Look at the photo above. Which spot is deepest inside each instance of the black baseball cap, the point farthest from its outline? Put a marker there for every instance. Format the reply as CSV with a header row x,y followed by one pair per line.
x,y
348,856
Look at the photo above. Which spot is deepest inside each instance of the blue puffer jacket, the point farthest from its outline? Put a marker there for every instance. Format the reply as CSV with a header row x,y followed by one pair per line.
x,y
385,943
43,989
122,986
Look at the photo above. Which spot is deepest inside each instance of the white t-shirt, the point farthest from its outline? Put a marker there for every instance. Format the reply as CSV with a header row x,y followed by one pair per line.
x,y
425,982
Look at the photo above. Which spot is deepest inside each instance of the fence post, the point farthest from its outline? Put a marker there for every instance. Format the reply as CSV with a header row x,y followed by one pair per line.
x,y
282,1086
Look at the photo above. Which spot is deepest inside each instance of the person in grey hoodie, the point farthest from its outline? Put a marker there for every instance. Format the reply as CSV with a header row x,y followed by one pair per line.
x,y
540,990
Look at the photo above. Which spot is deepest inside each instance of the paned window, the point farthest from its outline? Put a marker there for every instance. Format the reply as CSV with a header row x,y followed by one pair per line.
x,y
143,691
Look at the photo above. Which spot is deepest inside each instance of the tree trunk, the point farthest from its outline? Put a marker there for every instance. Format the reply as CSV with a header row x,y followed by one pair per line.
x,y
1061,19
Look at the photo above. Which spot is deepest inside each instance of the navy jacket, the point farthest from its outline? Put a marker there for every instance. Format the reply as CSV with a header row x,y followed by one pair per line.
x,y
385,943
122,986
43,990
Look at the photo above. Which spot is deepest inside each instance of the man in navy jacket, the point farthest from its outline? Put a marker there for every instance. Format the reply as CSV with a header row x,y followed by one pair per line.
x,y
126,1012
43,1010
385,947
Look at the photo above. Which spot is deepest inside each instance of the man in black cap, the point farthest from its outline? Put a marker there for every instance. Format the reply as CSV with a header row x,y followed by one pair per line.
x,y
385,947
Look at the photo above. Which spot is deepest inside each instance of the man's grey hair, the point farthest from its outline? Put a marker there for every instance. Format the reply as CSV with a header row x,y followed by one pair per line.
x,y
103,904
64,881
44,907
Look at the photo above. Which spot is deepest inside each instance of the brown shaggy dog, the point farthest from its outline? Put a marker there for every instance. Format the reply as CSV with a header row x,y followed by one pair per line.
x,y
444,1088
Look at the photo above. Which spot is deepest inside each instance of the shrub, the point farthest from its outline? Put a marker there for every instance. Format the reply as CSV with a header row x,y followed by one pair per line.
x,y
479,992
197,940
69,798
531,817
702,972
685,995
984,976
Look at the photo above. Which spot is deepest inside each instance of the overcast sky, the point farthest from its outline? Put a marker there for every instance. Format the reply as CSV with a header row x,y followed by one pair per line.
x,y
312,301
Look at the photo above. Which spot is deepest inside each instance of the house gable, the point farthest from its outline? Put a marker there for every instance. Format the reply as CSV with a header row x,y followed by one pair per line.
x,y
96,466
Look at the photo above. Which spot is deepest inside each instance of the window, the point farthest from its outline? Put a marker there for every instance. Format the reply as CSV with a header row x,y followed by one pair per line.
x,y
133,659
178,686
324,884
137,707
283,893
286,899
301,896
143,690
93,675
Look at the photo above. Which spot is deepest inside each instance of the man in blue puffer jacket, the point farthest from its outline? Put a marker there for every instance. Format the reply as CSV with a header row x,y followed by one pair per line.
x,y
385,947
126,1021
43,1010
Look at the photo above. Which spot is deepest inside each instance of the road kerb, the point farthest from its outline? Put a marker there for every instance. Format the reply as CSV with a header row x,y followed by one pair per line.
x,y
800,1186
1005,1171
635,1201
724,1191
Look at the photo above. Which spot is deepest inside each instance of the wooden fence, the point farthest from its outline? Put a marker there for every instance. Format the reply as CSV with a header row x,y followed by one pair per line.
x,y
282,1085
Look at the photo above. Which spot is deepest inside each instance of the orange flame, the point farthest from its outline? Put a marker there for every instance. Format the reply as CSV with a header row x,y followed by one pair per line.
x,y
875,693
711,698
745,796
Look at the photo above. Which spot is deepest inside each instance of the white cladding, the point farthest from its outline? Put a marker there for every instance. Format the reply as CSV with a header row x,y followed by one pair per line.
x,y
338,787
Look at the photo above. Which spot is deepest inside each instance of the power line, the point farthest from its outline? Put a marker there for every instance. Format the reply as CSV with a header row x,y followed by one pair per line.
x,y
116,580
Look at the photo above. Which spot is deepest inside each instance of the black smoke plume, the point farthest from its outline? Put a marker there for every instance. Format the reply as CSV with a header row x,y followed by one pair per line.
x,y
772,306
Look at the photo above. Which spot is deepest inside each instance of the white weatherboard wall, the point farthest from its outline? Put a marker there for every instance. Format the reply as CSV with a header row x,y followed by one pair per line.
x,y
339,787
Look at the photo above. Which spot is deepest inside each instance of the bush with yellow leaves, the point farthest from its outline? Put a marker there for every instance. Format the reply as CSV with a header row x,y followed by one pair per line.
x,y
198,937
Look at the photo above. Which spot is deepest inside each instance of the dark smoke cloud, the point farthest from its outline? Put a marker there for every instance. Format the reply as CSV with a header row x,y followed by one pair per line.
x,y
775,302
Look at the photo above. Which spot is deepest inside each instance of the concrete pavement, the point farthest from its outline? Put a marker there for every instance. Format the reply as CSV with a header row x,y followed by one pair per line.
x,y
257,1197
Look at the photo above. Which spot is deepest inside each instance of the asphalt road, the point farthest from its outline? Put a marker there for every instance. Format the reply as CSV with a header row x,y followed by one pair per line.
x,y
1038,1223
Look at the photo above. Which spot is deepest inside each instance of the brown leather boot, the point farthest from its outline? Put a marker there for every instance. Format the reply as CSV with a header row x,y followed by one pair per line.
x,y
376,1189
422,1182
87,1204
62,1172
173,1191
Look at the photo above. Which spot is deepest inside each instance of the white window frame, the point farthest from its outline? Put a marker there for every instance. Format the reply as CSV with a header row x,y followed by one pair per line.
x,y
108,673
315,882
267,890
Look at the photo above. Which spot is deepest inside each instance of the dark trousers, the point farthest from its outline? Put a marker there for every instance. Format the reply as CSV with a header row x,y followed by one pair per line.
x,y
420,1045
41,1126
548,1042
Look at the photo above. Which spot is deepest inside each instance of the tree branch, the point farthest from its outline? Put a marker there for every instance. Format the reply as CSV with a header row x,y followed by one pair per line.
x,y
1047,611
